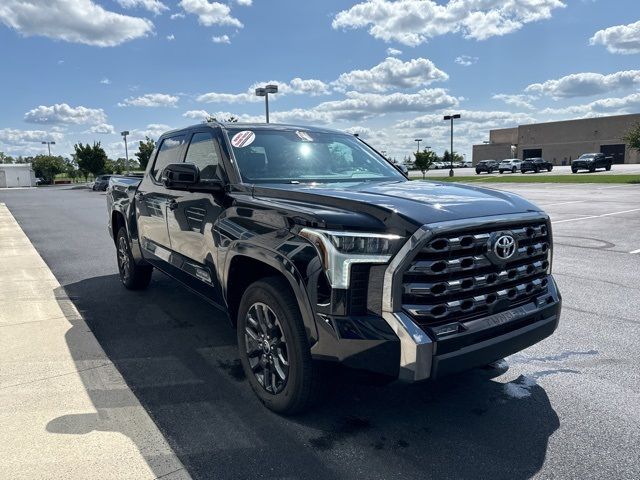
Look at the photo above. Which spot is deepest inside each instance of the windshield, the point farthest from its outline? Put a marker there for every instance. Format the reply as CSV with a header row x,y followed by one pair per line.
x,y
587,156
292,156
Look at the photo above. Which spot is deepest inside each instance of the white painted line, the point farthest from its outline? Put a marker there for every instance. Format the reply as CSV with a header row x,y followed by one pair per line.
x,y
635,251
596,216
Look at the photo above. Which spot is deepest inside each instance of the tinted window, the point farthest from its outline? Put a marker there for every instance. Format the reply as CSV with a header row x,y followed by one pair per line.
x,y
167,153
204,152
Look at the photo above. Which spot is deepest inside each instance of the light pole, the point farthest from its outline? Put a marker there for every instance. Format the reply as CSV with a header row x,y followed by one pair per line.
x,y
126,150
418,140
264,92
48,144
451,117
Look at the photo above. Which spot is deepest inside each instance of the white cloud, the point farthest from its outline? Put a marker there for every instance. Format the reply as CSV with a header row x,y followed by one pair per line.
x,y
412,22
150,100
104,128
597,108
61,113
221,39
487,119
521,101
171,37
360,131
78,21
586,84
154,6
153,130
244,3
105,81
392,73
202,115
358,105
297,86
624,39
196,114
393,52
209,14
175,16
11,136
466,60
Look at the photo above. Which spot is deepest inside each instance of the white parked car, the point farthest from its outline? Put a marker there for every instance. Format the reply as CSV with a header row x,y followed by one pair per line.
x,y
438,165
467,164
509,165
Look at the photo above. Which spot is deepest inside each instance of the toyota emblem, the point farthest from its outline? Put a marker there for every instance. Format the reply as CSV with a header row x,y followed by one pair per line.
x,y
504,247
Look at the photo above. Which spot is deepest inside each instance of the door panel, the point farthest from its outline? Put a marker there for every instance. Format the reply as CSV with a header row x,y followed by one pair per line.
x,y
191,216
152,199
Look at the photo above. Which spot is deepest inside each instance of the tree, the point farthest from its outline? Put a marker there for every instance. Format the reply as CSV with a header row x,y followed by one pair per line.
x,y
424,160
145,149
231,119
446,157
632,137
47,167
90,158
4,158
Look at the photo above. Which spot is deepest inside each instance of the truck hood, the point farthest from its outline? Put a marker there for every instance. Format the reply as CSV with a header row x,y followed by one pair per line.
x,y
398,205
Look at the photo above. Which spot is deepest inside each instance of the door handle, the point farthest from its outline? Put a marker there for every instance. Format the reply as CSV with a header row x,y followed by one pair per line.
x,y
173,205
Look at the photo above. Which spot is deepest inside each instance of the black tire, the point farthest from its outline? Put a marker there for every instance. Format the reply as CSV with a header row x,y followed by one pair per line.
x,y
301,385
514,170
490,170
574,170
608,168
132,276
549,169
592,168
501,172
536,170
477,172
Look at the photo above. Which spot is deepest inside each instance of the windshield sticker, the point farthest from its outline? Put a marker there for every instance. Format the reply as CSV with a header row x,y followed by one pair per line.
x,y
243,139
304,136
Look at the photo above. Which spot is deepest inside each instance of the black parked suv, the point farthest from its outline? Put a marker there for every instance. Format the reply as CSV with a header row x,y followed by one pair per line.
x,y
535,165
101,183
591,161
321,252
488,166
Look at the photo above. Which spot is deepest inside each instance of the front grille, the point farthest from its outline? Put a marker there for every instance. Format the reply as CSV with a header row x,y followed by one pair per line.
x,y
453,277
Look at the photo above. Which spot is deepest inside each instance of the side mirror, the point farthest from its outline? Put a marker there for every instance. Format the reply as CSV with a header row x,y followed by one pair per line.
x,y
179,176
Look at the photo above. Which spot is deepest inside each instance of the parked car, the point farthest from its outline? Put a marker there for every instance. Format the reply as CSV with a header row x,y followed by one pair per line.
x,y
101,183
321,252
509,165
467,164
535,165
591,161
40,181
488,166
437,165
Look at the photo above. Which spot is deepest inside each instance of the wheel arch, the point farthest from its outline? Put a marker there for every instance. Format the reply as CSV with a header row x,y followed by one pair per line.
x,y
243,269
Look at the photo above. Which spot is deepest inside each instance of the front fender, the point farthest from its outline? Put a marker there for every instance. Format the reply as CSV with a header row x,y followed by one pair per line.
x,y
286,267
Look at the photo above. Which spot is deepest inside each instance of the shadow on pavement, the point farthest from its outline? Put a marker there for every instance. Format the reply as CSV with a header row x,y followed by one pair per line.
x,y
178,356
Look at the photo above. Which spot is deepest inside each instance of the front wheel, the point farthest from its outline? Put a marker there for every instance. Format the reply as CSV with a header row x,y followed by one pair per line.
x,y
273,346
132,276
608,168
501,172
574,170
477,172
514,170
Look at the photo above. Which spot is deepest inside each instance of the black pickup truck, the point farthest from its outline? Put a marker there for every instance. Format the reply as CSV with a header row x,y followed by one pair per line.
x,y
320,252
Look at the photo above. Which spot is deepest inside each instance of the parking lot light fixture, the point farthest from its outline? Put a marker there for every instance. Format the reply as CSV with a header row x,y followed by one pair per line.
x,y
264,92
451,118
126,150
48,144
418,140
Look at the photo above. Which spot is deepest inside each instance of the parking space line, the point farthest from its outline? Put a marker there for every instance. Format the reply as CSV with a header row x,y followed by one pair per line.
x,y
635,251
560,203
596,216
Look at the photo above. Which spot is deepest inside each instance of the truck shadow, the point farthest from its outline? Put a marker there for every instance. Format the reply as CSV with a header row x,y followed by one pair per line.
x,y
177,354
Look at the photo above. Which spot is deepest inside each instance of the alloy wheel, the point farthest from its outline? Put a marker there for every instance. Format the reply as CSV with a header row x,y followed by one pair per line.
x,y
124,263
266,348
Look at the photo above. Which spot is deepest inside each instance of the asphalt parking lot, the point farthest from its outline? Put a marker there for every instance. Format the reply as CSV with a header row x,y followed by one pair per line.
x,y
565,408
629,168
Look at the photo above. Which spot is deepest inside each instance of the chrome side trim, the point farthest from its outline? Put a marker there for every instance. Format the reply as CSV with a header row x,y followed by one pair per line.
x,y
416,348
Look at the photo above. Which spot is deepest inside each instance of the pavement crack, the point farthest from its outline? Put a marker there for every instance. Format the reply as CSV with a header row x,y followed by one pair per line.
x,y
54,376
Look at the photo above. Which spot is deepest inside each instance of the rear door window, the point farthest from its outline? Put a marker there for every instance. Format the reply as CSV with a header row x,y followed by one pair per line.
x,y
168,152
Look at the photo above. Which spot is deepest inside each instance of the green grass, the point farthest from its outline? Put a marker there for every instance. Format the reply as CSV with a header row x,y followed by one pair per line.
x,y
540,178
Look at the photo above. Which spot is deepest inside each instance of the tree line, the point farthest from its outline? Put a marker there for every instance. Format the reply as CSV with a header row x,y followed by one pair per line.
x,y
425,159
86,160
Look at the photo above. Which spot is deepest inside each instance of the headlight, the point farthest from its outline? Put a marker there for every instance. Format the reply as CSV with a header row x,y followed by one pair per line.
x,y
338,250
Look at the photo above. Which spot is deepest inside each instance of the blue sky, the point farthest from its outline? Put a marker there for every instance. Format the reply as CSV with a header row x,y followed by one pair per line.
x,y
83,70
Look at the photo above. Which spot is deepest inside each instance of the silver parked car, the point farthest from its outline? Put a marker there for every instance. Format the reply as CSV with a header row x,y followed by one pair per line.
x,y
509,165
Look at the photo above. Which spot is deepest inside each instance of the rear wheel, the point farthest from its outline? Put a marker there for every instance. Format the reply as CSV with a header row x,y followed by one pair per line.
x,y
273,346
477,172
501,172
514,170
549,169
536,170
574,170
592,168
607,168
132,276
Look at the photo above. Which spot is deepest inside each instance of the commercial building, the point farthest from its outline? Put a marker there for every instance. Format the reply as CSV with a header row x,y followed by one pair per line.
x,y
562,142
17,175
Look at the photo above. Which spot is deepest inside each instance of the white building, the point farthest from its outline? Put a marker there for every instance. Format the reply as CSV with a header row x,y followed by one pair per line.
x,y
17,175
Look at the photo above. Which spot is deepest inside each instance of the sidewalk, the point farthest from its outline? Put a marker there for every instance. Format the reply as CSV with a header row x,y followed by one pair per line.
x,y
51,418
